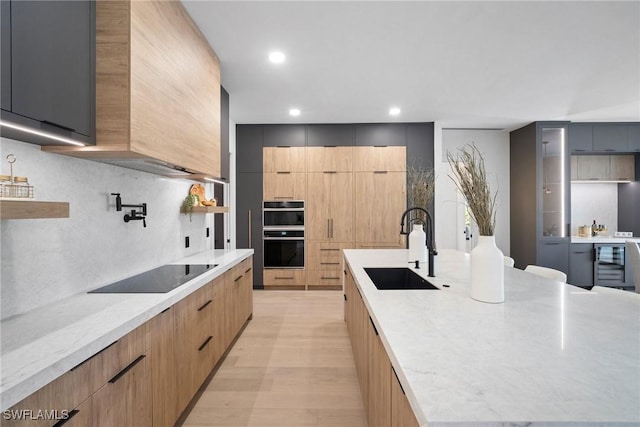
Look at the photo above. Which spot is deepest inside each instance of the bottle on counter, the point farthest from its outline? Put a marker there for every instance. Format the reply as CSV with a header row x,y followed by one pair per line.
x,y
594,229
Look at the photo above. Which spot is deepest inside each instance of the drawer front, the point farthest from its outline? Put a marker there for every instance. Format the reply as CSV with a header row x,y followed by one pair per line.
x,y
325,256
284,279
324,279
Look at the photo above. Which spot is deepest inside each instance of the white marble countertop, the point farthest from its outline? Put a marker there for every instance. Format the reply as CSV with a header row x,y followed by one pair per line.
x,y
40,345
612,240
551,354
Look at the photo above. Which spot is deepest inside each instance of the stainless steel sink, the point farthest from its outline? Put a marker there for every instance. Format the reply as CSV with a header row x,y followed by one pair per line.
x,y
397,278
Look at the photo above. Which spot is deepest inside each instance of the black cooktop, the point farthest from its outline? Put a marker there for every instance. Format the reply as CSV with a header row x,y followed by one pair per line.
x,y
157,281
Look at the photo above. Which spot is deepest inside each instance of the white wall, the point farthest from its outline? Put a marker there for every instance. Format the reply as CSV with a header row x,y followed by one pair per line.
x,y
594,201
46,260
494,146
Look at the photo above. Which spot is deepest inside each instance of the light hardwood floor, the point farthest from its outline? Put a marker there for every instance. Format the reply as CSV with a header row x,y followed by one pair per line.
x,y
292,366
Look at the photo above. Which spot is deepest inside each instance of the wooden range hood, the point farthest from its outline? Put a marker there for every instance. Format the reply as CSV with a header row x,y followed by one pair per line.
x,y
157,91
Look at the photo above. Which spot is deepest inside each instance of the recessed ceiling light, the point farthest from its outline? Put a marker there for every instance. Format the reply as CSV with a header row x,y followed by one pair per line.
x,y
394,111
276,57
294,112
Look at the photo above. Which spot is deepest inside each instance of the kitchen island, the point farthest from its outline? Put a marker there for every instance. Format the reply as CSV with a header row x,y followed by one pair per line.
x,y
43,344
551,354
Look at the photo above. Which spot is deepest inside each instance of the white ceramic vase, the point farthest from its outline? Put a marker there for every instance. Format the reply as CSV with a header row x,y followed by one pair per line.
x,y
417,244
487,271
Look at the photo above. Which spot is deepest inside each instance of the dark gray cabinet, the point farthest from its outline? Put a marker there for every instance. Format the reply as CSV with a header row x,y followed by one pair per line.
x,y
581,265
5,59
381,134
52,69
224,134
554,255
634,138
540,195
249,219
580,138
610,138
284,136
249,148
330,135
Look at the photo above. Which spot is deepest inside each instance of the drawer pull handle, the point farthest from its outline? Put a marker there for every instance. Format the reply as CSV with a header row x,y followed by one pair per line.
x,y
287,278
127,369
329,263
91,357
329,249
204,305
70,415
205,343
283,197
329,172
398,379
380,172
248,270
329,278
374,326
345,296
165,310
238,278
283,172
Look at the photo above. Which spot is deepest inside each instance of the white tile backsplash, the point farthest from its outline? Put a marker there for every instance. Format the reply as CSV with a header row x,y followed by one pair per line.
x,y
45,260
594,201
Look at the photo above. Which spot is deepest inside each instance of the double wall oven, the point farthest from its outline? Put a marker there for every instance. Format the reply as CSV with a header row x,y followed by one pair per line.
x,y
283,233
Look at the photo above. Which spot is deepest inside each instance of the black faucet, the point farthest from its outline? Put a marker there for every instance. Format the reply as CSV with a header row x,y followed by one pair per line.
x,y
431,244
134,215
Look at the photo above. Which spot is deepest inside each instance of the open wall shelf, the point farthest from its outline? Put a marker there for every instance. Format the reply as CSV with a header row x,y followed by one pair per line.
x,y
31,209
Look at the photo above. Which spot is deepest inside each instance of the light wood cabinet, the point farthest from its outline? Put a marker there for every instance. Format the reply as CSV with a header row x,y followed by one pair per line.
x,y
380,200
357,323
284,186
324,264
371,159
164,374
615,167
379,380
401,413
283,278
284,159
329,159
82,416
622,168
157,88
329,207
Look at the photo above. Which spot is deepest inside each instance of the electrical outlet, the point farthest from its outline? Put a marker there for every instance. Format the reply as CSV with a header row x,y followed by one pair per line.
x,y
186,242
207,231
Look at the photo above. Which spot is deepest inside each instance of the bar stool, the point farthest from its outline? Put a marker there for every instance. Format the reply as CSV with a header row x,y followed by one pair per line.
x,y
549,273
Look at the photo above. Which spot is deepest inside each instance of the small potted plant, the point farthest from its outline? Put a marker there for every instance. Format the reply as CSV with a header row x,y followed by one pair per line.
x,y
188,203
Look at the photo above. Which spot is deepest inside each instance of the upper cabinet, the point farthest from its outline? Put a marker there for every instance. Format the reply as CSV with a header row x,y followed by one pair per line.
x,y
157,88
284,159
604,138
381,134
284,136
380,159
616,167
48,70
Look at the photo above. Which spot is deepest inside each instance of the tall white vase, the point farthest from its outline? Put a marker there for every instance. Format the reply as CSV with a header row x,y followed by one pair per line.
x,y
417,244
487,271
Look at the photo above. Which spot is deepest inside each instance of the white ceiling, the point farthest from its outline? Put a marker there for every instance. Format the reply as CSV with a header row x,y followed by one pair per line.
x,y
465,64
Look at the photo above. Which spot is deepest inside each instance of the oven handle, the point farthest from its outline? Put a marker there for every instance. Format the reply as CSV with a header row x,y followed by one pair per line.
x,y
283,209
283,238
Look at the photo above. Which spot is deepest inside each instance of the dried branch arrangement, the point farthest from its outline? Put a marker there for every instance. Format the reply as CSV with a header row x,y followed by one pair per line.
x,y
420,188
471,180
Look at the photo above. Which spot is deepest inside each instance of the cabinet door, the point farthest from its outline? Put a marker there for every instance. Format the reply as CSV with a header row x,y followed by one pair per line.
x,y
401,413
379,381
610,138
581,265
317,212
554,255
284,186
380,200
5,54
381,134
249,148
126,400
574,168
82,416
329,159
376,159
593,168
341,222
283,278
284,136
284,159
52,62
634,138
580,138
163,369
330,135
622,167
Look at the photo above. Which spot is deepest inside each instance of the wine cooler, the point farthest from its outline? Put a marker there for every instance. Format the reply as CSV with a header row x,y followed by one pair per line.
x,y
609,265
